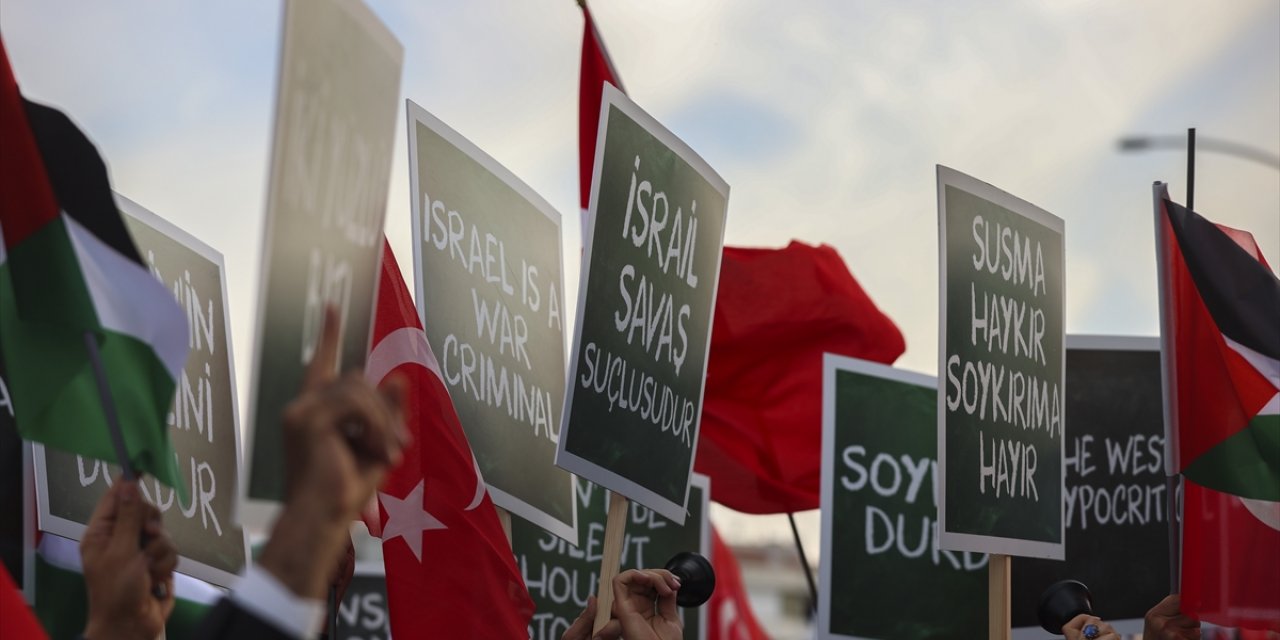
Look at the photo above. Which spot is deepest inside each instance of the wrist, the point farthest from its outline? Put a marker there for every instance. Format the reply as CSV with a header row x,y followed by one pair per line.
x,y
303,548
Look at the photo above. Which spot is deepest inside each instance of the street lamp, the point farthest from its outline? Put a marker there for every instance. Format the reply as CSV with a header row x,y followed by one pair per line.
x,y
1227,147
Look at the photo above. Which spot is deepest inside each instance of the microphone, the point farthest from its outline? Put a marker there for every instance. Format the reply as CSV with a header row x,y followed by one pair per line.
x,y
697,578
1061,602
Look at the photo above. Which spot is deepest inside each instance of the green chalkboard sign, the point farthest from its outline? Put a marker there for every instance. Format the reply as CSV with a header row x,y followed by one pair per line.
x,y
204,423
1001,371
363,614
634,399
1116,493
486,254
884,574
561,576
337,93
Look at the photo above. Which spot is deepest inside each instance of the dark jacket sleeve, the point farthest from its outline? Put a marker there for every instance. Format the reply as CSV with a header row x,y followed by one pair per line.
x,y
228,621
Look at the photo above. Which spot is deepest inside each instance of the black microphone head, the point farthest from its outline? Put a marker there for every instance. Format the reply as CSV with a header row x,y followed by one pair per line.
x,y
1061,602
697,578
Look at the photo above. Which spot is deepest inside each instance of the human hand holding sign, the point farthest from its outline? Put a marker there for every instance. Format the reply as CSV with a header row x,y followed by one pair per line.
x,y
130,586
341,435
644,608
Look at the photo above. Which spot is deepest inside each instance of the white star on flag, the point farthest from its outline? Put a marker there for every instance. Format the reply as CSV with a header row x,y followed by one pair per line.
x,y
407,519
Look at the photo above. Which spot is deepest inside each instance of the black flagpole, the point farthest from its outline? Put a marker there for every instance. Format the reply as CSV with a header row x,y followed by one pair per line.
x,y
108,407
1191,169
804,560
1173,484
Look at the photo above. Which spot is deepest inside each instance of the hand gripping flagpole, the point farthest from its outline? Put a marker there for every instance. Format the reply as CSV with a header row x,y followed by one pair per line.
x,y
127,471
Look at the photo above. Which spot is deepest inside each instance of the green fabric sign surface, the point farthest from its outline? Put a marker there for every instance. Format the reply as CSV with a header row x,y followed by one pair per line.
x,y
203,420
885,575
561,576
644,321
1001,371
488,277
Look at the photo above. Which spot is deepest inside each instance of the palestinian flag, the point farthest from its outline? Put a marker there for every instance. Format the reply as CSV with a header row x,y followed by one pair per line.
x,y
69,272
1220,317
1221,327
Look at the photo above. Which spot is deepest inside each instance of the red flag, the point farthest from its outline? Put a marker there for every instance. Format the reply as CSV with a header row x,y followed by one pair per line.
x,y
729,613
450,571
1230,559
777,312
1219,308
596,70
16,619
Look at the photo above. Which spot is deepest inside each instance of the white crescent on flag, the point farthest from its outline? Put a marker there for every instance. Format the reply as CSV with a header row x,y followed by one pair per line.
x,y
407,345
402,346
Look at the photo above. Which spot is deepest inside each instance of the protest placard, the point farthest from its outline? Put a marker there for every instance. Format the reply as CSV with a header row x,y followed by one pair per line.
x,y
561,576
487,269
336,101
1001,369
1116,502
652,263
883,572
203,421
362,614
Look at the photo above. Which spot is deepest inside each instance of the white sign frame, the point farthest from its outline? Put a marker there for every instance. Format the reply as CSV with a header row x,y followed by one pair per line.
x,y
1098,342
414,115
613,97
831,364
951,540
50,523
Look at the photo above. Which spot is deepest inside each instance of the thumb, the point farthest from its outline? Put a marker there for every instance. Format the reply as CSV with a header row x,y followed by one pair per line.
x,y
131,515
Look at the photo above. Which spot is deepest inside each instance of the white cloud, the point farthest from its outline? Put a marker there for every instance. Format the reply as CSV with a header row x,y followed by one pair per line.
x,y
826,118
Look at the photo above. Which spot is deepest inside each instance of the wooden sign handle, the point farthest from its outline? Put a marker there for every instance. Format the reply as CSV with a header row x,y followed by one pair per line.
x,y
504,518
615,527
998,578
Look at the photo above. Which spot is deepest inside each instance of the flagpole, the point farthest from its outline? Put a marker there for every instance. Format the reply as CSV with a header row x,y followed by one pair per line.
x,y
804,560
1191,169
109,407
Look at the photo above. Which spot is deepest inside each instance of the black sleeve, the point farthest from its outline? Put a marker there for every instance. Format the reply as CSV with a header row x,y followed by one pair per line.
x,y
228,621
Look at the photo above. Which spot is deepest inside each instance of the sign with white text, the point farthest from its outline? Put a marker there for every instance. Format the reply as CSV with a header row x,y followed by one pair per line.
x,y
561,576
486,256
652,263
203,421
1116,501
336,100
883,572
362,614
1001,370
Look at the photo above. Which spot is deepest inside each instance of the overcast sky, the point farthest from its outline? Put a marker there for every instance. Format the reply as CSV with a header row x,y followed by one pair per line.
x,y
826,119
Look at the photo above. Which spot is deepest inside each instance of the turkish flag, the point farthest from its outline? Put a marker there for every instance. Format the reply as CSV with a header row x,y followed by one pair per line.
x,y
595,71
729,613
450,571
777,311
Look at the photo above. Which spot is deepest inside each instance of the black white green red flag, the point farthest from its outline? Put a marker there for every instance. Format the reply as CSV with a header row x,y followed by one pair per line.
x,y
69,268
1220,332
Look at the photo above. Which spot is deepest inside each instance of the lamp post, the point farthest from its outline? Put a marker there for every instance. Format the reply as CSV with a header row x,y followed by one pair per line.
x,y
1203,143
